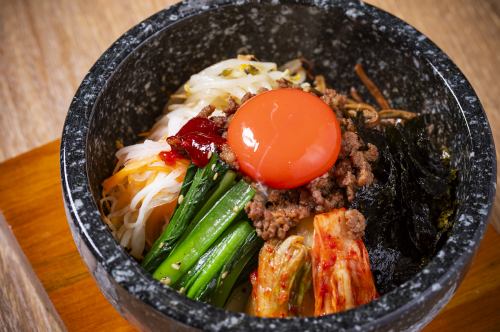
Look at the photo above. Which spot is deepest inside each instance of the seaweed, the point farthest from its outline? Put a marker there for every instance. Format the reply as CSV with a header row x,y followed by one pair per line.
x,y
410,208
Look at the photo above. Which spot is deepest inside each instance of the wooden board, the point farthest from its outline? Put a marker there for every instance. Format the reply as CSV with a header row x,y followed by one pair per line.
x,y
31,200
27,306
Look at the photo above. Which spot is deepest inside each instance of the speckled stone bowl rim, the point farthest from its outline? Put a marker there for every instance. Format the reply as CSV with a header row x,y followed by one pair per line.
x,y
84,214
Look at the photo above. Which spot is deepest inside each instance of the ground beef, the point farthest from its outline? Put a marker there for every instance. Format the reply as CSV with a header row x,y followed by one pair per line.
x,y
232,106
353,169
284,83
281,210
355,223
335,100
272,216
219,120
247,96
325,194
206,111
228,156
347,124
274,212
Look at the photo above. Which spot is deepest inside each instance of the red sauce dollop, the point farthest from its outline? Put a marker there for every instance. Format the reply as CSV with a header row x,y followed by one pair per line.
x,y
198,138
170,157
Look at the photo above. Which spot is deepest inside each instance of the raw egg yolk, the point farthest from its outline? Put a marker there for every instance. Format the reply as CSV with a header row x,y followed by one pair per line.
x,y
284,138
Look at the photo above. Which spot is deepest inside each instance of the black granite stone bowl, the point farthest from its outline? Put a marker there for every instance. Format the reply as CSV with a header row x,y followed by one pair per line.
x,y
127,88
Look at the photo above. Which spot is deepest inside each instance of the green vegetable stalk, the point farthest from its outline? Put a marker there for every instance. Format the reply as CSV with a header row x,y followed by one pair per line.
x,y
227,181
233,268
204,234
188,179
230,243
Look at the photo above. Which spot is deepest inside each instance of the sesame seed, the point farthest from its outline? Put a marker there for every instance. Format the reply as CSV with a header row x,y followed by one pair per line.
x,y
165,280
182,290
176,266
235,208
224,275
209,155
215,176
161,245
180,199
213,167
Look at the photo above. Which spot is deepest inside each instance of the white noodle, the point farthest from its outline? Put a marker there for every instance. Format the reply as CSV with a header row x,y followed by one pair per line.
x,y
118,213
125,239
140,151
141,177
162,181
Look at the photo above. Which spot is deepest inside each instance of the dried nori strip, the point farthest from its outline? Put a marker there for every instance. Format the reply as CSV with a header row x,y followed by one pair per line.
x,y
410,208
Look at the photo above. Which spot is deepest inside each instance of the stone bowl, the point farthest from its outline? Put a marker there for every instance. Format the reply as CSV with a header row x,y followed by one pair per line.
x,y
127,88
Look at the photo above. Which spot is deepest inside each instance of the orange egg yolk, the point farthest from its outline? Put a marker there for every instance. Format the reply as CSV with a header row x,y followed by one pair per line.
x,y
285,138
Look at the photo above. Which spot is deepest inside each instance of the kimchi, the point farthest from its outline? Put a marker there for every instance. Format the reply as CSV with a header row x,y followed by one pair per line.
x,y
342,278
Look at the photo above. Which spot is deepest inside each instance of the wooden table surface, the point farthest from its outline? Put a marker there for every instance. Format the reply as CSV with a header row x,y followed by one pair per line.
x,y
46,48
